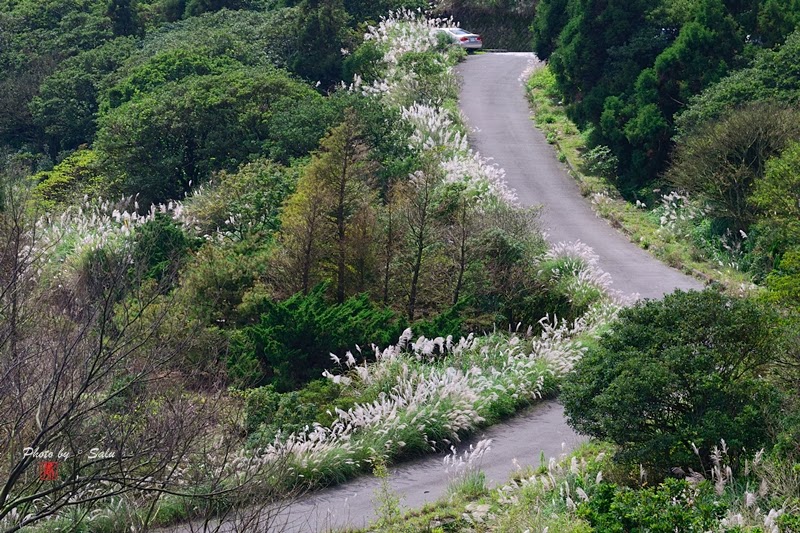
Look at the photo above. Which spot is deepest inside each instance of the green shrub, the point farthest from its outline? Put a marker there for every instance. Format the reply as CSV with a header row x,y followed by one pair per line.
x,y
678,372
221,284
784,281
600,161
675,505
242,203
451,322
789,523
562,296
261,408
161,245
74,176
267,411
174,137
294,338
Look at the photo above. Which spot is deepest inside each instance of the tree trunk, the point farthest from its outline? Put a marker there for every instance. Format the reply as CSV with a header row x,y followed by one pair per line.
x,y
462,259
341,260
420,234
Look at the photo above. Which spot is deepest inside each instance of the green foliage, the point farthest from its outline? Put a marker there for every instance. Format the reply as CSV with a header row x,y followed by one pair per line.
x,y
432,75
777,19
66,107
268,412
366,61
723,161
551,17
162,143
784,281
451,322
243,203
777,198
165,67
674,373
671,506
35,36
222,284
75,176
627,68
559,292
160,247
249,37
294,338
322,34
601,162
41,27
772,76
198,7
124,17
506,284
789,522
373,10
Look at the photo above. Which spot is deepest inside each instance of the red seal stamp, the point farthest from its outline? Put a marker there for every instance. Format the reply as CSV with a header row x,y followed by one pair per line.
x,y
48,470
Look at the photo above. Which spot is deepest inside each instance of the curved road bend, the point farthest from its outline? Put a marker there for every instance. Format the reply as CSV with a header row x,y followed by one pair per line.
x,y
494,103
539,429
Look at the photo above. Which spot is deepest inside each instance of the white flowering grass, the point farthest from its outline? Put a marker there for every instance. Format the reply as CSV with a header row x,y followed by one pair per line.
x,y
401,33
429,393
64,239
576,267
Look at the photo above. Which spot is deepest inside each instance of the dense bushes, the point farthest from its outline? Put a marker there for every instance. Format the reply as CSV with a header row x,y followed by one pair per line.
x,y
268,412
293,340
672,506
163,142
244,203
676,374
627,69
770,77
725,160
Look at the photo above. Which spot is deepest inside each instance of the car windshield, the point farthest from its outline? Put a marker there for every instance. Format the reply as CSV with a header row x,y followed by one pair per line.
x,y
459,31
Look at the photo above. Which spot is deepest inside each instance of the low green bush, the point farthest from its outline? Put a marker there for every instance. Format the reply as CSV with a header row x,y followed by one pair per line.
x,y
267,412
789,522
294,338
677,373
675,505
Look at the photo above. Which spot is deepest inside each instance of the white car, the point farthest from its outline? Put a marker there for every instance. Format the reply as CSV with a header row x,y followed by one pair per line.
x,y
463,38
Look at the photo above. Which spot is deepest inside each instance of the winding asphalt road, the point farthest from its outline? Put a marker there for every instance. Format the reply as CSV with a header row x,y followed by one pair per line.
x,y
494,104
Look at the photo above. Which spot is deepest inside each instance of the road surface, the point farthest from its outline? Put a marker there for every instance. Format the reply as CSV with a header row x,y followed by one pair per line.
x,y
494,104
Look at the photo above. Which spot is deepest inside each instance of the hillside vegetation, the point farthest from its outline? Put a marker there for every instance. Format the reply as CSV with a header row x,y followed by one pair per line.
x,y
246,252
688,107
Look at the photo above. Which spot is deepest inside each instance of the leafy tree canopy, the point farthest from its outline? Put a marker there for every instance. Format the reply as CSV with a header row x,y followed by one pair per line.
x,y
724,160
162,143
626,68
773,75
67,104
294,338
674,373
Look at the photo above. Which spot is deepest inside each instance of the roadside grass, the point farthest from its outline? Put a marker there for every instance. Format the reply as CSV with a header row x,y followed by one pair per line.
x,y
641,225
518,505
586,491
